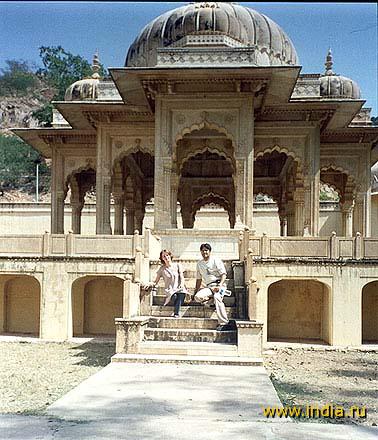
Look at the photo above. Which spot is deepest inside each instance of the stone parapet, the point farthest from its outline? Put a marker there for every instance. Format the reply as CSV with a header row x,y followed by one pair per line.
x,y
249,338
129,333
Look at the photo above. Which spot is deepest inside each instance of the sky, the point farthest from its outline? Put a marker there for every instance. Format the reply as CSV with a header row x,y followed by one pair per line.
x,y
350,29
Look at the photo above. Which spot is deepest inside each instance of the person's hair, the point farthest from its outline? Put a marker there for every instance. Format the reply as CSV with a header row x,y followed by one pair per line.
x,y
164,251
205,246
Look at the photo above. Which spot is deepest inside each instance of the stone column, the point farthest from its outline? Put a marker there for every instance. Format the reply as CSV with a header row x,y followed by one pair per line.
x,y
76,208
361,214
162,193
299,205
57,192
312,183
347,218
240,189
103,182
283,226
130,219
118,214
174,190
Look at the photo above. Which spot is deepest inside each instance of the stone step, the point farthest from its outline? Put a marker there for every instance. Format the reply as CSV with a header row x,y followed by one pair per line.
x,y
175,359
185,323
192,311
189,335
158,300
190,268
190,284
187,348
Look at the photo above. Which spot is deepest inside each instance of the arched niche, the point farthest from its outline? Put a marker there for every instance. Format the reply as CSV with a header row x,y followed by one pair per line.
x,y
299,311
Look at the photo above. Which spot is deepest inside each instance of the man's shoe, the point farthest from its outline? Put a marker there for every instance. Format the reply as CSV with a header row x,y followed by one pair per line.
x,y
225,327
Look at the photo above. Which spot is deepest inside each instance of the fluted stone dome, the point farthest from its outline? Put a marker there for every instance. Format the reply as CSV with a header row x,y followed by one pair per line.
x,y
337,86
87,88
214,25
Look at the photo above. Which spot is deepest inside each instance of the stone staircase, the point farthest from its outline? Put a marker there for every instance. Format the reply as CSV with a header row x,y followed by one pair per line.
x,y
193,337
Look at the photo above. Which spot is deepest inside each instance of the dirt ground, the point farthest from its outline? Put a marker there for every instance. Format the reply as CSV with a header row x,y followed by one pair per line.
x,y
34,375
313,377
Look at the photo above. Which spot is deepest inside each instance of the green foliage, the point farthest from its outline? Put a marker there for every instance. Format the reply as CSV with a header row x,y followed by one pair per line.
x,y
18,166
17,78
60,70
374,120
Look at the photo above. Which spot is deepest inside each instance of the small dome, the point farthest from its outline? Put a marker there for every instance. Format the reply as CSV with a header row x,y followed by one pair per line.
x,y
87,88
337,86
211,25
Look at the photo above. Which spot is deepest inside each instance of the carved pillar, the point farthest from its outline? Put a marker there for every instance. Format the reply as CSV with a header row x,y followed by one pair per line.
x,y
361,214
162,193
244,166
77,203
103,183
240,188
312,183
290,209
118,214
283,220
299,204
57,192
347,218
138,212
174,190
130,218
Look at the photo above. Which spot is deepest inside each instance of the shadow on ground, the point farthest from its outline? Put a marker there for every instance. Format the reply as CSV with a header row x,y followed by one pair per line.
x,y
94,354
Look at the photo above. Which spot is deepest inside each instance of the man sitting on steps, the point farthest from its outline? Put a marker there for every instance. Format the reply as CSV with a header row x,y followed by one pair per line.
x,y
212,272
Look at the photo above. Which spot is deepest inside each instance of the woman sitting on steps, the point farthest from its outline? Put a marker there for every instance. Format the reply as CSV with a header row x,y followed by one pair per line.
x,y
173,276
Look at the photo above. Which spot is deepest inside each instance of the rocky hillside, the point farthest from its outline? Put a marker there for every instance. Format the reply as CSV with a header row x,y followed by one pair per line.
x,y
16,111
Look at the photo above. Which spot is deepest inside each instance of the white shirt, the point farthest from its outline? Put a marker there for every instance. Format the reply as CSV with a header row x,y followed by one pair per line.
x,y
210,270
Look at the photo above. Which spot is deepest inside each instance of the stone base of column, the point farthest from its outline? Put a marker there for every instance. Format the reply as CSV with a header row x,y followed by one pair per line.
x,y
129,333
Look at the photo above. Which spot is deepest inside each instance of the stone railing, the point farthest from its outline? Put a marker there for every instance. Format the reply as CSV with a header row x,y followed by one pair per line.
x,y
86,246
335,248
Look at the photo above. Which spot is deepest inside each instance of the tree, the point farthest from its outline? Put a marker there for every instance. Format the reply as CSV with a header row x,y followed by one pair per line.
x,y
60,69
18,165
17,78
374,120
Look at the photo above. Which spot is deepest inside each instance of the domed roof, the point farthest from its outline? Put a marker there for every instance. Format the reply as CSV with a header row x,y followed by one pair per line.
x,y
236,27
87,88
337,86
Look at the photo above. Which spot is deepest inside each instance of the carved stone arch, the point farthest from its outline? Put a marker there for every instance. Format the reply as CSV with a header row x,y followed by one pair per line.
x,y
212,197
200,126
192,154
350,183
78,170
124,153
284,150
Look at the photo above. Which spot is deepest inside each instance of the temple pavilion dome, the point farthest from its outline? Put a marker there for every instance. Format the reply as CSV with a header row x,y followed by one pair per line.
x,y
337,86
215,26
87,88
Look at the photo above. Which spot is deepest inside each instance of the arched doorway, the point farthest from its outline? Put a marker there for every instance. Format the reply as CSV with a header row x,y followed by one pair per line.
x,y
133,187
344,186
277,175
299,310
20,295
370,313
206,171
96,302
80,184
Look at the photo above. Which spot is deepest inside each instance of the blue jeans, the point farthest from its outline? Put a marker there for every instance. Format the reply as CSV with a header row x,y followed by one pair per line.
x,y
178,299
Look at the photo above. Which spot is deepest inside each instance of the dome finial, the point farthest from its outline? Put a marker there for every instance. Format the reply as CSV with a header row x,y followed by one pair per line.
x,y
329,63
96,66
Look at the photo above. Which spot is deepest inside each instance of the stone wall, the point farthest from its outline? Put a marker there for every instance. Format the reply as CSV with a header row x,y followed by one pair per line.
x,y
35,219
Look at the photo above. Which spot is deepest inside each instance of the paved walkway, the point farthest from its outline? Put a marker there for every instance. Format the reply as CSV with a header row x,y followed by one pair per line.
x,y
165,401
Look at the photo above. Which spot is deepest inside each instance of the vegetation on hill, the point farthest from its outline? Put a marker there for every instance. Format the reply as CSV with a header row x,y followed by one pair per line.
x,y
18,164
26,91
